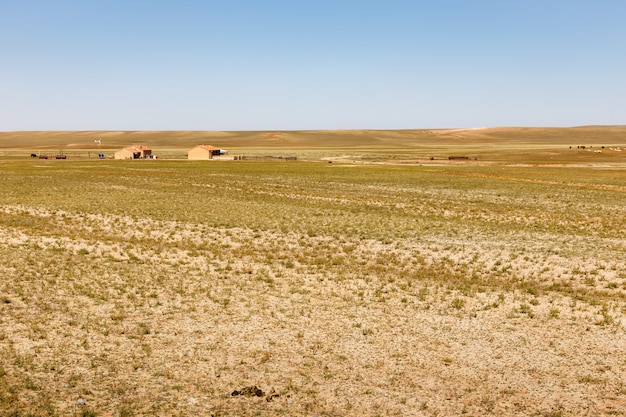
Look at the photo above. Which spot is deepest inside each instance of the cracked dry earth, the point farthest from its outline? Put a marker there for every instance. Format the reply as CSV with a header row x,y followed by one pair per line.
x,y
118,316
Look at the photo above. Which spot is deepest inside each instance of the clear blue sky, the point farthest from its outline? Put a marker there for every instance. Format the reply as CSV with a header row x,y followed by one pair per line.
x,y
310,64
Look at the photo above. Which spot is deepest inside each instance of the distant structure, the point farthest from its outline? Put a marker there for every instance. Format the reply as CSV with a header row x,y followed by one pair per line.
x,y
134,152
204,152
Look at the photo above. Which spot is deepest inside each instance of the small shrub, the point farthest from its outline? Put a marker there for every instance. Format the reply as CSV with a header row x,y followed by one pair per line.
x,y
458,303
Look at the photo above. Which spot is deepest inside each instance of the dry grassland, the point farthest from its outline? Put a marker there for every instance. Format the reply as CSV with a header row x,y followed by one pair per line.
x,y
415,141
312,289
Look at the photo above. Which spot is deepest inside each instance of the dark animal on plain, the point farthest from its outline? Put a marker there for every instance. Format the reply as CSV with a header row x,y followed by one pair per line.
x,y
33,155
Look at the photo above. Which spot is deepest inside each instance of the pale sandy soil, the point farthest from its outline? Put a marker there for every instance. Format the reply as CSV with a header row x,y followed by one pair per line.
x,y
123,316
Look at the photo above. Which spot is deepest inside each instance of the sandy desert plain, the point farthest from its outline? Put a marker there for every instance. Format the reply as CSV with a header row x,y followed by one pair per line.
x,y
374,276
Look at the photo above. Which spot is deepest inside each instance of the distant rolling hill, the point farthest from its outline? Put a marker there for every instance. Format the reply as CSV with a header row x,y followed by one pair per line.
x,y
584,135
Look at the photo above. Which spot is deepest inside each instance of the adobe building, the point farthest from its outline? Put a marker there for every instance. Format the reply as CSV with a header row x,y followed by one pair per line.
x,y
134,152
204,152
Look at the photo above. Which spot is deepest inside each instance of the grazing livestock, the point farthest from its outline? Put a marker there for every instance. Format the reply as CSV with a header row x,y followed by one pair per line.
x,y
33,155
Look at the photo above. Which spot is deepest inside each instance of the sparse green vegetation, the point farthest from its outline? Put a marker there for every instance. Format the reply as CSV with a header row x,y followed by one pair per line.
x,y
160,287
